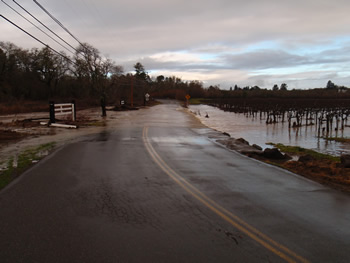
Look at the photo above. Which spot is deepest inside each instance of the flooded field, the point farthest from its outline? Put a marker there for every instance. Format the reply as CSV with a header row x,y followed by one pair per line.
x,y
256,131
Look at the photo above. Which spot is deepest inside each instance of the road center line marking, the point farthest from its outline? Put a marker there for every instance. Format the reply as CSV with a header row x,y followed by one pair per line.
x,y
234,220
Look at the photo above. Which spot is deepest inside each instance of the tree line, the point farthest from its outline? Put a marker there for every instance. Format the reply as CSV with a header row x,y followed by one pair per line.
x,y
42,74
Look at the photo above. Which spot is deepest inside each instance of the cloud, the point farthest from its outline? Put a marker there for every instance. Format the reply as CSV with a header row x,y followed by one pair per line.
x,y
264,59
223,40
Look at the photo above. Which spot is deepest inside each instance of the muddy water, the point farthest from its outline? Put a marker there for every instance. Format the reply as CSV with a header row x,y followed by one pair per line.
x,y
43,134
256,131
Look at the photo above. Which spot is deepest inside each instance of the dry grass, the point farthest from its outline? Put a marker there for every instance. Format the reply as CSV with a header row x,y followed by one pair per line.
x,y
7,136
23,107
15,107
326,172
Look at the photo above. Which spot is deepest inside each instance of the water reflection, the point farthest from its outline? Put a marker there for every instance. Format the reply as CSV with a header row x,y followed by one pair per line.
x,y
256,131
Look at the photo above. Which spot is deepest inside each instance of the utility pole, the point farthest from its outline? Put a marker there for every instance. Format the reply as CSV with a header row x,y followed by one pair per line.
x,y
132,92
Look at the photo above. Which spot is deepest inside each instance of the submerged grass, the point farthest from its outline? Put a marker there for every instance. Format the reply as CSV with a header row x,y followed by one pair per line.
x,y
6,174
337,139
18,164
197,101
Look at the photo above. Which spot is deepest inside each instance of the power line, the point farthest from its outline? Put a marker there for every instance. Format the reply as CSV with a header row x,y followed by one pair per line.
x,y
37,39
45,26
57,21
36,26
61,25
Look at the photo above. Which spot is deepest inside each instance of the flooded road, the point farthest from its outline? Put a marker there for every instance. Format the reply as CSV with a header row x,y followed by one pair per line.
x,y
256,131
150,186
39,135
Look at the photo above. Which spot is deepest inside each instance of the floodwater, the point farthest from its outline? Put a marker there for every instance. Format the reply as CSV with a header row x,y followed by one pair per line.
x,y
42,134
256,131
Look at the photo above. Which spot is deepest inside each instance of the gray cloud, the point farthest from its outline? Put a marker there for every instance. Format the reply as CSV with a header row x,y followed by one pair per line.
x,y
264,59
220,33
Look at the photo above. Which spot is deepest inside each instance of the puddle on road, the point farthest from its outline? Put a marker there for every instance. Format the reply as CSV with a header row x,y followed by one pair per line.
x,y
181,140
129,139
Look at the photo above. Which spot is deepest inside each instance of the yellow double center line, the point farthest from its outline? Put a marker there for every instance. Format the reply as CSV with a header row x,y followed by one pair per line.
x,y
234,220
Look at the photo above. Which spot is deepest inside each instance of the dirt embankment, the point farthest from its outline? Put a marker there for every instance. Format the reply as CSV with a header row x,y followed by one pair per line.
x,y
327,170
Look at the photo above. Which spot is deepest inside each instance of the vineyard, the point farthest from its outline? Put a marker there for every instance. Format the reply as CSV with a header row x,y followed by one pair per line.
x,y
327,114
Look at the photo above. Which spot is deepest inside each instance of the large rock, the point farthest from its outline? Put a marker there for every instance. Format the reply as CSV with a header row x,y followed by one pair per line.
x,y
345,160
251,152
273,153
241,140
257,147
226,134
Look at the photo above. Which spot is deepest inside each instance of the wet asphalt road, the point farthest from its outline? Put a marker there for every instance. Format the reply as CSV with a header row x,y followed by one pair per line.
x,y
154,188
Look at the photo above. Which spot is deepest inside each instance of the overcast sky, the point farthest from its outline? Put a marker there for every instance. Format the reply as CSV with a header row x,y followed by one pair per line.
x,y
222,42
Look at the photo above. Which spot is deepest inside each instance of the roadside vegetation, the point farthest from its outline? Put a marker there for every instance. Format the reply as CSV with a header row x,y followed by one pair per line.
x,y
323,168
198,101
16,165
299,151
